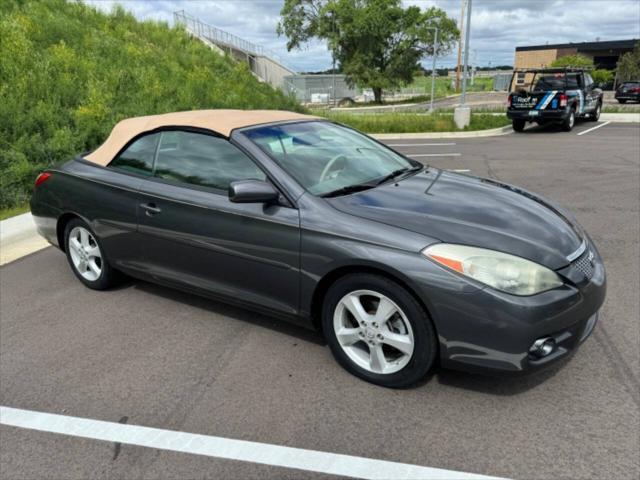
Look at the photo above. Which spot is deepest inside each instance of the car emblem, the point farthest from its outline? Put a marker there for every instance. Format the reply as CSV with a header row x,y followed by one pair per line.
x,y
591,259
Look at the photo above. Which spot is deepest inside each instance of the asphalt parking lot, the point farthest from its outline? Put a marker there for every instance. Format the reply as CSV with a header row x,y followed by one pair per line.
x,y
146,355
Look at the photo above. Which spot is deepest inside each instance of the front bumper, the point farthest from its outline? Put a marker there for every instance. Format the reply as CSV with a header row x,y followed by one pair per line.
x,y
544,115
492,332
628,96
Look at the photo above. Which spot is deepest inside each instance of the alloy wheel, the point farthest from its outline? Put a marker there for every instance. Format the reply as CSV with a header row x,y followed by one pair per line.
x,y
85,253
373,331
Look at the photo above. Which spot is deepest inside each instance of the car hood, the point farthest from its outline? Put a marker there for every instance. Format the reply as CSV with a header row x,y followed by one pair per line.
x,y
462,209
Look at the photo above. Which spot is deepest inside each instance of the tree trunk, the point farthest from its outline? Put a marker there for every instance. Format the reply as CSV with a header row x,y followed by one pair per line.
x,y
377,94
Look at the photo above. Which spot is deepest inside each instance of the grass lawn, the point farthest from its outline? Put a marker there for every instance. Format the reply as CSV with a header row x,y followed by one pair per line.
x,y
13,211
443,85
412,122
626,108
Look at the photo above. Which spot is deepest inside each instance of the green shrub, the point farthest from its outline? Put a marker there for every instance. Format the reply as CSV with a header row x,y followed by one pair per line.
x,y
602,76
68,73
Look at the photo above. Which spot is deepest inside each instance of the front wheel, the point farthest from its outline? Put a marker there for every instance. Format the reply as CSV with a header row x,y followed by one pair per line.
x,y
621,101
595,116
86,256
518,125
569,122
378,331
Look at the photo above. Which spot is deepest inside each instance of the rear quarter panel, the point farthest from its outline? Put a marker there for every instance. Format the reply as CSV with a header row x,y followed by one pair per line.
x,y
107,200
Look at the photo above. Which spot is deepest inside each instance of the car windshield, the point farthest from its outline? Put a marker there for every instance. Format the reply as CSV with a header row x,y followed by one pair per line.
x,y
556,82
327,159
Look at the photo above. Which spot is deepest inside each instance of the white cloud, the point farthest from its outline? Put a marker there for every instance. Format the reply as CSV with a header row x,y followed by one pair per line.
x,y
498,26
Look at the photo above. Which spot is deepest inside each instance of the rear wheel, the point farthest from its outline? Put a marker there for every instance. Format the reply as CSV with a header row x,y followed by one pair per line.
x,y
518,125
621,101
86,256
378,331
595,116
570,121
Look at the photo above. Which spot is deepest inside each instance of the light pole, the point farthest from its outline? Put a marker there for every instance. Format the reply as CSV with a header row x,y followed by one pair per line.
x,y
466,54
433,68
462,114
333,58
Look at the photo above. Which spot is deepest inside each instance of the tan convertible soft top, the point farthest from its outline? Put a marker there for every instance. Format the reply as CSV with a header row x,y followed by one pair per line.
x,y
219,121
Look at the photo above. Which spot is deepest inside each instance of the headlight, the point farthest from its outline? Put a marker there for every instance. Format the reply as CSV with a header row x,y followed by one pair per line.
x,y
499,270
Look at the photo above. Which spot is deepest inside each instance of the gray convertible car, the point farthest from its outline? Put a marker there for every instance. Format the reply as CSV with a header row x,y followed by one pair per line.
x,y
402,266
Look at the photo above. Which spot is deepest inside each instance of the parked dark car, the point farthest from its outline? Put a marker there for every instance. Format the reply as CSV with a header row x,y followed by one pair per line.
x,y
401,265
554,95
628,91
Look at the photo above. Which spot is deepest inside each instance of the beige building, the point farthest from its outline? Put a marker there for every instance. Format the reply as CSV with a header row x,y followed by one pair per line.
x,y
604,55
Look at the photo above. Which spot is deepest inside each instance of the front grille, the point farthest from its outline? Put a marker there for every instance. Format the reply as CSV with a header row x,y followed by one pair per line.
x,y
584,264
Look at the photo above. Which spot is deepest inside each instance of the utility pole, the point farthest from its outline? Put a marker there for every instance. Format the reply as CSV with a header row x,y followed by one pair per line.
x,y
460,44
466,53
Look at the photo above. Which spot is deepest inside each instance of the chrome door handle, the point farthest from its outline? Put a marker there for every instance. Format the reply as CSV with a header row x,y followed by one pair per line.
x,y
150,209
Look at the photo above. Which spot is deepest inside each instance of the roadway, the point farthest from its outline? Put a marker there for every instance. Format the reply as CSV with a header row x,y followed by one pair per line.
x,y
146,355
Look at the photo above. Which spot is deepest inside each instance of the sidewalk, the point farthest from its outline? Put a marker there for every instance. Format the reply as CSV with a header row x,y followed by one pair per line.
x,y
18,237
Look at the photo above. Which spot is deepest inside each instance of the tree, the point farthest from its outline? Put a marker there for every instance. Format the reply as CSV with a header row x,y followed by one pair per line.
x,y
377,43
576,60
629,65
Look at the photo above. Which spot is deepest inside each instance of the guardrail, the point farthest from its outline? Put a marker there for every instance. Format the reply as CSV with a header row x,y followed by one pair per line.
x,y
220,37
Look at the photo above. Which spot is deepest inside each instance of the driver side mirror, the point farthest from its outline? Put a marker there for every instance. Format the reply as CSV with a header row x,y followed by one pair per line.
x,y
252,191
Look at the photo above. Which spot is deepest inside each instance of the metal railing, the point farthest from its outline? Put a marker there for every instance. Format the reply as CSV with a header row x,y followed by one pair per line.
x,y
222,38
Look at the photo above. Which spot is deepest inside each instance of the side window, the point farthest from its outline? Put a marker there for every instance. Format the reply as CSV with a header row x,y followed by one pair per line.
x,y
138,157
588,81
572,81
203,160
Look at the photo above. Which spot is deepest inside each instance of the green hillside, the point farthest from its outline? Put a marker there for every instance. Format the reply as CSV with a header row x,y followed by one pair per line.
x,y
68,73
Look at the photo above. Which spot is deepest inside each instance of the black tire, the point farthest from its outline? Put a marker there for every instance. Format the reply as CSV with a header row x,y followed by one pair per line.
x,y
595,116
569,122
107,277
621,101
424,335
518,125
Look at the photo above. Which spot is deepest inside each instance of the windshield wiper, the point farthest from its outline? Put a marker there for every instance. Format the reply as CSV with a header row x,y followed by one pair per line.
x,y
397,173
358,187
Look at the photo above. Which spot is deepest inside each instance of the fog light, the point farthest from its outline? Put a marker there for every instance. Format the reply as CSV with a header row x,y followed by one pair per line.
x,y
543,347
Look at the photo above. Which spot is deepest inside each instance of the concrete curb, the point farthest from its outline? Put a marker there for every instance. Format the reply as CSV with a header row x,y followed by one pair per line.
x,y
620,117
19,237
493,132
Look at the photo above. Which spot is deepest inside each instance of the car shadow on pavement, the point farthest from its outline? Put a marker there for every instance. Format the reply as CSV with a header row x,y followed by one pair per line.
x,y
548,128
505,385
231,311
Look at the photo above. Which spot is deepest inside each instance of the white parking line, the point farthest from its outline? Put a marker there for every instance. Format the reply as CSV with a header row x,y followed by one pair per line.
x,y
460,170
263,453
434,155
420,144
594,128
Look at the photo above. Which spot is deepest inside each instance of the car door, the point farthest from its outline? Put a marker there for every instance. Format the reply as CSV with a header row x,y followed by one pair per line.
x,y
194,237
114,200
592,94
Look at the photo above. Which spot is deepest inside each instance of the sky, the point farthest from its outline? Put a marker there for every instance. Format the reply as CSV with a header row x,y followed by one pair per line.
x,y
497,26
